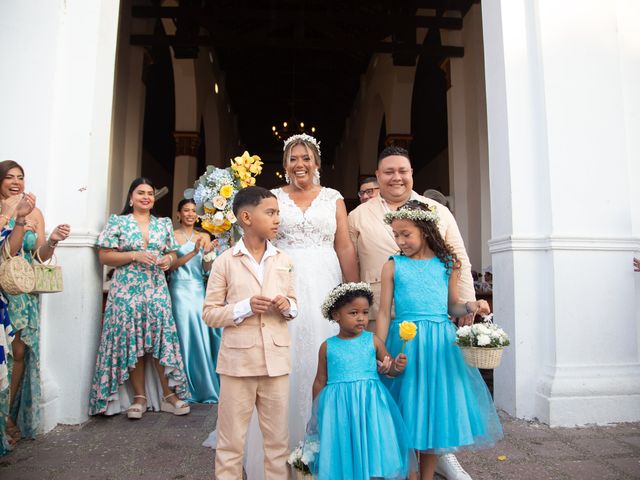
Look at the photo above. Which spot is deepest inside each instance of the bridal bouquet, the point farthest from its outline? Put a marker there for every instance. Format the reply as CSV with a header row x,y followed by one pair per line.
x,y
482,344
214,192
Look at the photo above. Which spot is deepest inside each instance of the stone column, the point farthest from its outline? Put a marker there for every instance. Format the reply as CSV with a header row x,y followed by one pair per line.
x,y
562,108
184,172
56,122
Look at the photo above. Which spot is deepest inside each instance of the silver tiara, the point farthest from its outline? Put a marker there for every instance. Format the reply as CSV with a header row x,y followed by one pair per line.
x,y
302,137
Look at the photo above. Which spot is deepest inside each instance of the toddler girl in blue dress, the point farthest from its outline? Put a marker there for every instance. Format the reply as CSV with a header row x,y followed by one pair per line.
x,y
356,432
445,403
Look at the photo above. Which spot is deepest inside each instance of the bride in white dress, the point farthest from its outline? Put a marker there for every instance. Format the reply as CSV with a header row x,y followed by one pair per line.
x,y
314,233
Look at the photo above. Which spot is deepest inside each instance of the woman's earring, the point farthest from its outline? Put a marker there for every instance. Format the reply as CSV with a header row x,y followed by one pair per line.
x,y
286,178
130,203
316,177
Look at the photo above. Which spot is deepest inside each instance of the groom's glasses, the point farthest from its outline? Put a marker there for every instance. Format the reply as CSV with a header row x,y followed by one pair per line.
x,y
368,192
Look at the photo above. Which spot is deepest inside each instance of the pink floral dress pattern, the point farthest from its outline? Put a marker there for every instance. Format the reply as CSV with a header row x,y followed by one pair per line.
x,y
137,317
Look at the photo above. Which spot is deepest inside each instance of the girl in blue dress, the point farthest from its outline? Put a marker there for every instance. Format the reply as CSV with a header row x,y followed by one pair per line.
x,y
356,431
445,403
199,343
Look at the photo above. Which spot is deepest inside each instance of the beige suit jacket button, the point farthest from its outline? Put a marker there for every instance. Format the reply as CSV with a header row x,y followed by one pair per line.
x,y
262,325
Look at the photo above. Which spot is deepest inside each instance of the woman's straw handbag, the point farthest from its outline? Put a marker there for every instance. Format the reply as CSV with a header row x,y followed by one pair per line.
x,y
48,275
482,357
16,273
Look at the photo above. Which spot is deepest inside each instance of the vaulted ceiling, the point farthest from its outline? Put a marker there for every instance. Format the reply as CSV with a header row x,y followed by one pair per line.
x,y
302,59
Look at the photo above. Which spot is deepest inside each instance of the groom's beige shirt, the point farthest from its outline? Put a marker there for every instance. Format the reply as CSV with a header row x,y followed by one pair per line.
x,y
374,243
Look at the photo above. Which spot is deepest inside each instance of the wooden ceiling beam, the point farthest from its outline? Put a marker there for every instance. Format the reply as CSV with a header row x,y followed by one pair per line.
x,y
243,42
312,16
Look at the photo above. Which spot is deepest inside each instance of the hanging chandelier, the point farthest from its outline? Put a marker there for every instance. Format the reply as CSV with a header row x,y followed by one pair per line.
x,y
292,125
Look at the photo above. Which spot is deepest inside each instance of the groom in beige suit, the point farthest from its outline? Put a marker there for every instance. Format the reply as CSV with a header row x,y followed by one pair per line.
x,y
374,243
250,293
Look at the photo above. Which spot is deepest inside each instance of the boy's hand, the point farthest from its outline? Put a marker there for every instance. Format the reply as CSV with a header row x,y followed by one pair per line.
x,y
400,363
260,304
281,304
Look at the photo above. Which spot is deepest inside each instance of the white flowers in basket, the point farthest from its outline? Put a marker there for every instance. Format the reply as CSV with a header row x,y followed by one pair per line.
x,y
482,343
301,456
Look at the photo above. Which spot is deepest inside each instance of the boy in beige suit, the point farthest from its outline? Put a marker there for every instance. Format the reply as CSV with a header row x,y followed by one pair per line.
x,y
250,293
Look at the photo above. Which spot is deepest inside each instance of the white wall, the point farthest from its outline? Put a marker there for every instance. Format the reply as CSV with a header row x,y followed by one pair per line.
x,y
468,152
56,121
561,135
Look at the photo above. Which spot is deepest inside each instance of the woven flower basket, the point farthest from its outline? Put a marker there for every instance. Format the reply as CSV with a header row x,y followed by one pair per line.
x,y
482,357
300,475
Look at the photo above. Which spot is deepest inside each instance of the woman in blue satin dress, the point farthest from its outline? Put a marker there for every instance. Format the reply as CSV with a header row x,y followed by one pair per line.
x,y
187,283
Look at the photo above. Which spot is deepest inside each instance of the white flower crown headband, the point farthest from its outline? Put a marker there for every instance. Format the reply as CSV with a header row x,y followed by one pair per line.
x,y
429,215
339,292
302,137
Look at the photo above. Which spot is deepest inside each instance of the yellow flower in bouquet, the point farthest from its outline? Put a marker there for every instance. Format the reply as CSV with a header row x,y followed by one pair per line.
x,y
223,227
226,191
249,182
208,226
407,332
246,167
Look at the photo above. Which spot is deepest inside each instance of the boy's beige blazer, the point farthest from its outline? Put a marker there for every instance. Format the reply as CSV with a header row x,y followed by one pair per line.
x,y
259,345
374,243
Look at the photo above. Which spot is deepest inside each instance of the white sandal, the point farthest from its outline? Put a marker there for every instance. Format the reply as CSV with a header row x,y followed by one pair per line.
x,y
136,410
180,408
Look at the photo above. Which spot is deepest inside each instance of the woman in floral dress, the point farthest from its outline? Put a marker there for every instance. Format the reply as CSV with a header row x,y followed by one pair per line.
x,y
138,328
20,404
10,207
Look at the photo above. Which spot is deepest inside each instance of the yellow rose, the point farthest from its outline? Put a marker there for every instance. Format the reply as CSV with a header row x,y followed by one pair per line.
x,y
209,210
408,331
226,191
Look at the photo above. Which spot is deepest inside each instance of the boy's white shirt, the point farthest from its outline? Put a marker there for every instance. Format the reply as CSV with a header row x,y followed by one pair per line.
x,y
242,309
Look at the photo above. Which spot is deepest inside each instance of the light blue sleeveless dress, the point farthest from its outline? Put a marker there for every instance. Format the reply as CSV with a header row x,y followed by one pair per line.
x,y
445,403
198,342
356,432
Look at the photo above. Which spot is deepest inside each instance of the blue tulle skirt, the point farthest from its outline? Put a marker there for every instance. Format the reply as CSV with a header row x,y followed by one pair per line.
x,y
357,433
445,404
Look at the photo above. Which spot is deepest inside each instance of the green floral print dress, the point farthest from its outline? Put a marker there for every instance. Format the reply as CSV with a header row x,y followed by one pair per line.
x,y
137,318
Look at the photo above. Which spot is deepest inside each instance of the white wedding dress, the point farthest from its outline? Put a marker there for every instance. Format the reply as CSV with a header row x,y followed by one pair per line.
x,y
308,238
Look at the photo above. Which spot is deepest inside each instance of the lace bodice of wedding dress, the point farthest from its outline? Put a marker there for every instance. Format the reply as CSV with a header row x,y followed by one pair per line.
x,y
313,228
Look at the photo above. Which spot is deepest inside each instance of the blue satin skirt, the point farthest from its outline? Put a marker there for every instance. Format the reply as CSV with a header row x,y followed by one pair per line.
x,y
445,404
199,343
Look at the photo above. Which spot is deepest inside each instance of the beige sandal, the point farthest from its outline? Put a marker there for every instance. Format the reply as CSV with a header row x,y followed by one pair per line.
x,y
180,408
13,432
136,410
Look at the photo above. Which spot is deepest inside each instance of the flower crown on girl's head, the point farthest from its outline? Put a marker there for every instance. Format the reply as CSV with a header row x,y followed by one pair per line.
x,y
340,291
304,138
406,212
